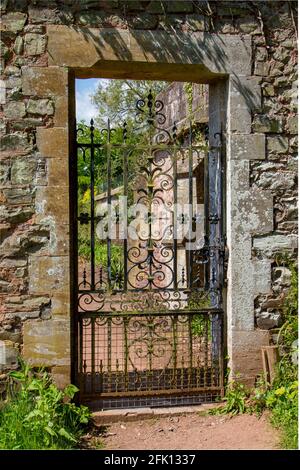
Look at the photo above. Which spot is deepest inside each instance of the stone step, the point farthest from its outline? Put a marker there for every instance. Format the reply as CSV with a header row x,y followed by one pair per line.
x,y
104,417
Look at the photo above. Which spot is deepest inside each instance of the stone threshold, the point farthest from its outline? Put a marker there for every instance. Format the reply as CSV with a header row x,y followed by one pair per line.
x,y
101,418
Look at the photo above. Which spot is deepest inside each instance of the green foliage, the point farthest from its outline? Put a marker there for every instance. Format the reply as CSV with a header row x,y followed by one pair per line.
x,y
188,88
282,398
115,99
289,331
199,325
235,400
36,415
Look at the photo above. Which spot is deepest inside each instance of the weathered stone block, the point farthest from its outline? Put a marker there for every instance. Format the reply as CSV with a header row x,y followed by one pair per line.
x,y
276,181
245,97
197,23
15,110
60,303
59,240
14,21
53,200
34,28
61,376
179,7
19,195
155,6
101,19
231,10
143,21
261,69
53,142
4,172
253,211
23,170
171,22
269,90
270,244
46,342
41,107
61,113
12,70
282,276
245,92
264,123
219,53
58,171
248,25
261,54
8,355
26,124
248,147
4,51
16,215
35,44
3,126
44,81
19,45
292,125
39,15
261,270
95,18
268,320
48,273
245,354
13,82
277,144
240,118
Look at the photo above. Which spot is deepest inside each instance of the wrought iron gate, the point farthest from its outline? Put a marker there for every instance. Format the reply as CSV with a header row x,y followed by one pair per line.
x,y
149,318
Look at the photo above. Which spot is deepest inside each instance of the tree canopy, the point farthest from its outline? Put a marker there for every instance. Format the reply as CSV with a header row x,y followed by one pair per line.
x,y
116,98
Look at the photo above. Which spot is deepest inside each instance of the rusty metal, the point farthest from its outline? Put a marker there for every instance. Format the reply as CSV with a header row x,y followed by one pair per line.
x,y
150,325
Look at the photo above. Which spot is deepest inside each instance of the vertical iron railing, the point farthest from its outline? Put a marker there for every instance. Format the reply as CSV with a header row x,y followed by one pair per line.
x,y
168,346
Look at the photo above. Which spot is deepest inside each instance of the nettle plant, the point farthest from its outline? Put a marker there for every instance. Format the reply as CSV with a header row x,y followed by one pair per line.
x,y
37,415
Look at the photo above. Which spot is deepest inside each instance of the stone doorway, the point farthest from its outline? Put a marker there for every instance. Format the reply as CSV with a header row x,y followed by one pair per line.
x,y
223,61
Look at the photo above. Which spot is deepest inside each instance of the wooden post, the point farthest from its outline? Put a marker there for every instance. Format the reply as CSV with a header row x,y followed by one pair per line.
x,y
270,357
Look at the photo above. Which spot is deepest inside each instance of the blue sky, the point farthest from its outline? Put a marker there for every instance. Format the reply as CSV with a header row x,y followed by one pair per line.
x,y
84,108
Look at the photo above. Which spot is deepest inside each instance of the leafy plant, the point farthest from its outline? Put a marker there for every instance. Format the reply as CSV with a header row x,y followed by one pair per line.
x,y
282,398
37,415
235,400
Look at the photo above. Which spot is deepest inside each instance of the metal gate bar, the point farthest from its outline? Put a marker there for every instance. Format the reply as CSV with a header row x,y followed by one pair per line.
x,y
150,355
151,332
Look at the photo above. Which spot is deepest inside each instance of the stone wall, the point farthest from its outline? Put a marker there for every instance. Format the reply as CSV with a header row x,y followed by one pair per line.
x,y
41,41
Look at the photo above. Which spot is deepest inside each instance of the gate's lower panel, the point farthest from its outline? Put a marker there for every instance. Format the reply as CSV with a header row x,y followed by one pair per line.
x,y
157,359
153,401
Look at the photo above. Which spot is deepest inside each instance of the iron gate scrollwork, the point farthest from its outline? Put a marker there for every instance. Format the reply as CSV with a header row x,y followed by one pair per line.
x,y
149,318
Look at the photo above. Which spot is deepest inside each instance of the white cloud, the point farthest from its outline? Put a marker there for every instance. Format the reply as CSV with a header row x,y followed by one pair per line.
x,y
84,108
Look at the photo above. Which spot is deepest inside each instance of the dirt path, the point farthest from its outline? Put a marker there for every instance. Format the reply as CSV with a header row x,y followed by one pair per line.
x,y
191,432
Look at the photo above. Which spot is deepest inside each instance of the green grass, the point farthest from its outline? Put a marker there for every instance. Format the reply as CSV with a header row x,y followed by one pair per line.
x,y
36,415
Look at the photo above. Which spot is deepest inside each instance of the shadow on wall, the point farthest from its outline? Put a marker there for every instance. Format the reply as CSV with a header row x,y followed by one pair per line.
x,y
178,48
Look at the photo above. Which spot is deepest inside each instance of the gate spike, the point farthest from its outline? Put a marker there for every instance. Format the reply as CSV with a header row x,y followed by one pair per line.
x,y
84,277
174,131
150,102
183,275
125,131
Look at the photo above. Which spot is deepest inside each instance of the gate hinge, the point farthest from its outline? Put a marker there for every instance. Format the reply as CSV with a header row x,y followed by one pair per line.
x,y
224,252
